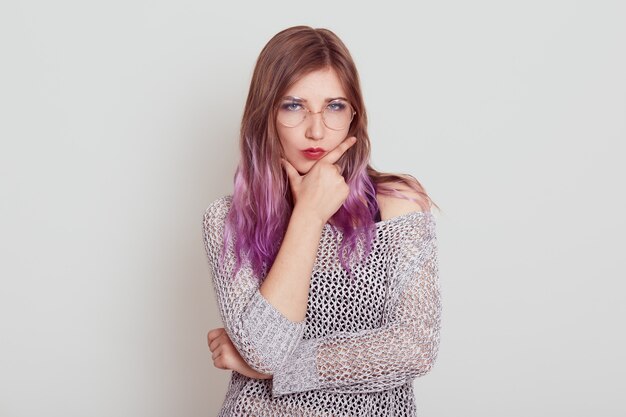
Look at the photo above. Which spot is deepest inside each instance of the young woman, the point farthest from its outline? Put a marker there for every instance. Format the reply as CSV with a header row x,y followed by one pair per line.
x,y
325,269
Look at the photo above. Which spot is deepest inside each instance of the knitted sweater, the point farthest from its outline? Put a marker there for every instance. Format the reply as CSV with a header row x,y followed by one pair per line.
x,y
362,343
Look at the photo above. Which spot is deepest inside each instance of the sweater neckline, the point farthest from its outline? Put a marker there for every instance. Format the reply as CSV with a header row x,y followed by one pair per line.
x,y
391,220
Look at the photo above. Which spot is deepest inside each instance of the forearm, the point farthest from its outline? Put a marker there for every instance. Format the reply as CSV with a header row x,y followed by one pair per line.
x,y
262,335
367,361
381,358
286,285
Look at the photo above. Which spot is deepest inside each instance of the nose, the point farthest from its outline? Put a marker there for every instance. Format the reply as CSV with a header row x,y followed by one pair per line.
x,y
315,127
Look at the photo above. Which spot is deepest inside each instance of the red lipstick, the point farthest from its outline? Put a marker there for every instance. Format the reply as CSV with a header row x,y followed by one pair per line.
x,y
313,153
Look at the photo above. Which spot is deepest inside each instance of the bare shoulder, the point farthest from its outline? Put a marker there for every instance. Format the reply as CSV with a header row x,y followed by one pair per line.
x,y
391,206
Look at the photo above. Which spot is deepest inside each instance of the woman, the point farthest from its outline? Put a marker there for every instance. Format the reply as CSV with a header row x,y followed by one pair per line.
x,y
325,269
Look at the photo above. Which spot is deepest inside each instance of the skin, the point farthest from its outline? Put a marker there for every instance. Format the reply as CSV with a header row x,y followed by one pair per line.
x,y
318,191
318,195
315,88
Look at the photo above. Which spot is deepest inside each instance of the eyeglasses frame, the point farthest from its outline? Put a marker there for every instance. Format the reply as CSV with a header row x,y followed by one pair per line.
x,y
309,112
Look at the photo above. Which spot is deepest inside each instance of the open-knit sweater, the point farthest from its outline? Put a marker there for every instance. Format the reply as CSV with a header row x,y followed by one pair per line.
x,y
362,342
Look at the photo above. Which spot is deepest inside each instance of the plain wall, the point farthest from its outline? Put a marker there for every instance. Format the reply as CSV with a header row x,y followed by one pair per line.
x,y
119,125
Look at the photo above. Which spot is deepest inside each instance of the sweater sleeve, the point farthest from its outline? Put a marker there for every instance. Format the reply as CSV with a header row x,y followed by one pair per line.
x,y
404,348
262,335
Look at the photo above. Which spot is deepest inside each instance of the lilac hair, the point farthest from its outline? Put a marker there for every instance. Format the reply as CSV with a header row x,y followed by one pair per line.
x,y
262,202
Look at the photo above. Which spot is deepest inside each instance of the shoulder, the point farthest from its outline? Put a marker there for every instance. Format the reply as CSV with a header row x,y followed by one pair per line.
x,y
216,211
393,206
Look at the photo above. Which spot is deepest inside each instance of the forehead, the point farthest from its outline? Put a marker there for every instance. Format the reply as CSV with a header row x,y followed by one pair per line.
x,y
317,86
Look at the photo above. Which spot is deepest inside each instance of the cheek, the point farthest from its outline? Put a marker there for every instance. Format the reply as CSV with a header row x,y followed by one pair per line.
x,y
282,139
338,137
288,140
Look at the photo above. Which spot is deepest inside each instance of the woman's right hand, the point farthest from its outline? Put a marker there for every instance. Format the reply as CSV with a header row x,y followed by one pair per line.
x,y
321,191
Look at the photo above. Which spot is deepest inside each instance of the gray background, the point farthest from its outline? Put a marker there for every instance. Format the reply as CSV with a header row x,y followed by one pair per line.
x,y
119,126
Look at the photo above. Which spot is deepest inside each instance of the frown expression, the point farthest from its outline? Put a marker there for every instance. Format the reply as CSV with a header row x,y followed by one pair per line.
x,y
315,90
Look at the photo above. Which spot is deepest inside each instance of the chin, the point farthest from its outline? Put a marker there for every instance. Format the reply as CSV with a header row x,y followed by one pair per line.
x,y
304,168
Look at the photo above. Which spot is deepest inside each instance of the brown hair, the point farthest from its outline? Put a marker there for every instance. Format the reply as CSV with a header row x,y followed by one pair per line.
x,y
262,201
291,54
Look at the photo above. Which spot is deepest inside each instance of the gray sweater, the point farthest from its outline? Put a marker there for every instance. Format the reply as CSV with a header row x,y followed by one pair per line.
x,y
361,344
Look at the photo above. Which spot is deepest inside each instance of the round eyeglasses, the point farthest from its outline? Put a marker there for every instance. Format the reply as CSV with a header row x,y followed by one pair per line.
x,y
337,114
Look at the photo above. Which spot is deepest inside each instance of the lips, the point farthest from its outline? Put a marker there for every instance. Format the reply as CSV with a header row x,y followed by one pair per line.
x,y
313,153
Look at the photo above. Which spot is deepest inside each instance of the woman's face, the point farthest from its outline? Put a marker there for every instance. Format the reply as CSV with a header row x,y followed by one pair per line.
x,y
315,91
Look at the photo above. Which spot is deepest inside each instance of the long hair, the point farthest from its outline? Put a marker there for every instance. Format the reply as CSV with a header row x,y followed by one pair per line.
x,y
262,202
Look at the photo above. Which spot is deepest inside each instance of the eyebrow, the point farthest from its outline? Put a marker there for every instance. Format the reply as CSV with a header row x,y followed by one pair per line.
x,y
303,100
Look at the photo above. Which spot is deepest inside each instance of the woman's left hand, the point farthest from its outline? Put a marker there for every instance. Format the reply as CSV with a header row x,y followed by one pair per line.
x,y
225,356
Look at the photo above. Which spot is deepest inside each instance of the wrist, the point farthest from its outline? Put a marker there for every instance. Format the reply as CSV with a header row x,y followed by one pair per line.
x,y
307,216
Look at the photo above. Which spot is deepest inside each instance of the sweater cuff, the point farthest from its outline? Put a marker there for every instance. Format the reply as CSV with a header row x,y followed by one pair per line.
x,y
272,334
299,372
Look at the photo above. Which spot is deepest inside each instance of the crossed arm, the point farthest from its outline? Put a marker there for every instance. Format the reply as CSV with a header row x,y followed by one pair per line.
x,y
270,345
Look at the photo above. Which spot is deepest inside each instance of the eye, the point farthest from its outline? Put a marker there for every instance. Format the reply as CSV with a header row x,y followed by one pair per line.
x,y
337,106
291,106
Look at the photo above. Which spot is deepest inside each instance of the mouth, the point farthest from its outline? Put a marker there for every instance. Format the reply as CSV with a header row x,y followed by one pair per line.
x,y
313,153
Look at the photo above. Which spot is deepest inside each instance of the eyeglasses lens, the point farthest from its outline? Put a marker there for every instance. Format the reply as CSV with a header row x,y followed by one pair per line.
x,y
336,115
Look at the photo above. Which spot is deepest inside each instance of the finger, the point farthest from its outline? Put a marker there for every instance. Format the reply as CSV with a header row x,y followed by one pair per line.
x,y
335,154
216,342
220,362
214,333
292,173
217,353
